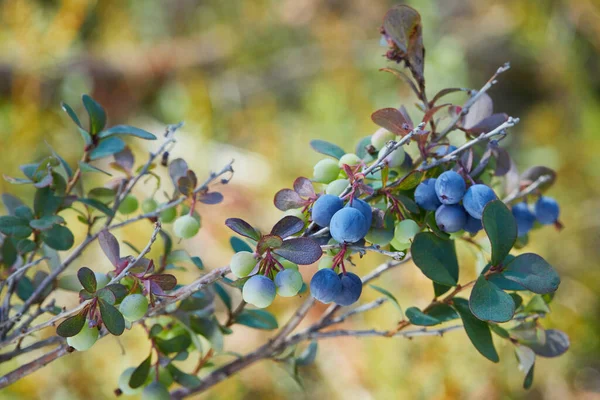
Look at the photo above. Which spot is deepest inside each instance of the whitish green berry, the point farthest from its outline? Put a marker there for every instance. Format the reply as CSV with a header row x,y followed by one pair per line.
x,y
337,187
128,205
84,339
349,159
124,383
288,264
380,138
149,205
156,391
406,230
186,226
134,307
288,282
395,159
168,215
399,245
101,280
326,170
242,263
380,236
259,291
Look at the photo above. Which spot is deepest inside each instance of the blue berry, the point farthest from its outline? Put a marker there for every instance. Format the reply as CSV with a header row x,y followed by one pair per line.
x,y
364,208
476,199
524,218
473,225
348,225
259,291
425,195
547,210
450,187
325,285
351,289
450,218
444,150
324,208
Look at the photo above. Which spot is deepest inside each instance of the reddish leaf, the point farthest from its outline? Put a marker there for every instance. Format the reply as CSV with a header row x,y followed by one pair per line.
x,y
301,251
402,75
443,93
287,199
211,198
242,227
192,177
488,124
304,187
534,173
124,159
177,169
503,162
287,226
165,281
431,112
268,242
185,186
110,247
481,109
392,120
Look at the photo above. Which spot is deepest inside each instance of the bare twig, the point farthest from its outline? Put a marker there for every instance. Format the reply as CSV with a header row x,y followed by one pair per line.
x,y
519,194
396,255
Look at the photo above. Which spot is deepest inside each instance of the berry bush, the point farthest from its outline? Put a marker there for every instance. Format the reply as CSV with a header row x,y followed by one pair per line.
x,y
410,192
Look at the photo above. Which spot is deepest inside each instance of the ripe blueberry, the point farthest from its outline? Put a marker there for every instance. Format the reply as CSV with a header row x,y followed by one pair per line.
x,y
473,225
450,187
348,225
324,209
451,218
351,289
364,208
547,210
524,218
325,285
425,195
476,199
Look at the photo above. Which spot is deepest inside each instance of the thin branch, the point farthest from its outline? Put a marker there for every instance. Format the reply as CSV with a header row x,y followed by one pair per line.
x,y
33,366
376,333
519,194
396,255
146,250
35,346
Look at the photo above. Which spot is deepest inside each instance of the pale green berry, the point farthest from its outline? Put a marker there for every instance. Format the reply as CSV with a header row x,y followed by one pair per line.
x,y
395,159
242,263
101,280
128,205
296,212
399,245
326,170
156,391
149,205
337,187
84,339
124,383
186,226
406,230
168,215
164,377
380,236
259,291
288,264
134,307
288,282
349,159
380,138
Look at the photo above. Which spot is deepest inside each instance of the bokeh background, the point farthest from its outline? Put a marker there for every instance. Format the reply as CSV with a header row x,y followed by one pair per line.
x,y
255,81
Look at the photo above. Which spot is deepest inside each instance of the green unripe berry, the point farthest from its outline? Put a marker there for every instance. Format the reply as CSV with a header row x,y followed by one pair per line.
x,y
337,187
156,391
395,159
380,138
288,282
168,215
128,205
349,159
149,205
242,263
326,170
84,339
101,280
288,264
399,245
380,236
186,227
296,212
124,383
134,307
406,230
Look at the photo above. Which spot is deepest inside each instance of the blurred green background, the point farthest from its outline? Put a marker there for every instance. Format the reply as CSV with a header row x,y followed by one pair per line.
x,y
255,81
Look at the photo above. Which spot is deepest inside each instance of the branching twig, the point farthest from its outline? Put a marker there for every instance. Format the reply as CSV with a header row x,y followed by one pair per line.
x,y
519,194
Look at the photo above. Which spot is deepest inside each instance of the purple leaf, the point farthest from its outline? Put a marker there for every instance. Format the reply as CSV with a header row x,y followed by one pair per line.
x,y
503,162
110,247
467,160
211,198
243,228
44,182
303,251
287,199
481,109
185,185
124,159
165,281
177,169
192,177
303,186
268,242
488,124
402,24
392,120
287,226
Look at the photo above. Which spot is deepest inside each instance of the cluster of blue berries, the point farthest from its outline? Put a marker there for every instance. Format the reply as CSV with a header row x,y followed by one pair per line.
x,y
444,195
347,224
545,211
343,289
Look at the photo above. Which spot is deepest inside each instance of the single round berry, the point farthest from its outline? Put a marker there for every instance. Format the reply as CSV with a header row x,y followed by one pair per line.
x,y
380,236
242,263
101,280
450,218
349,159
444,150
259,291
155,391
124,383
84,339
128,205
524,217
337,187
400,246
325,285
186,226
351,289
149,205
381,137
324,209
296,212
288,282
425,195
473,225
326,171
476,198
134,307
364,208
395,158
348,225
547,210
406,230
450,187
168,215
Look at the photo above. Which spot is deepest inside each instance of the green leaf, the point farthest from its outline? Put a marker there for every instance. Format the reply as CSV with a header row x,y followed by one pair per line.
x,y
67,108
25,246
411,180
501,229
85,167
442,312
223,295
87,138
439,289
107,147
537,304
209,328
98,205
9,252
477,330
25,288
329,149
11,225
47,222
175,344
436,258
309,355
87,278
529,378
417,317
11,203
58,237
126,130
107,295
46,202
258,319
389,296
489,303
526,359
112,318
361,148
185,380
96,113
140,374
71,326
557,343
532,272
238,244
